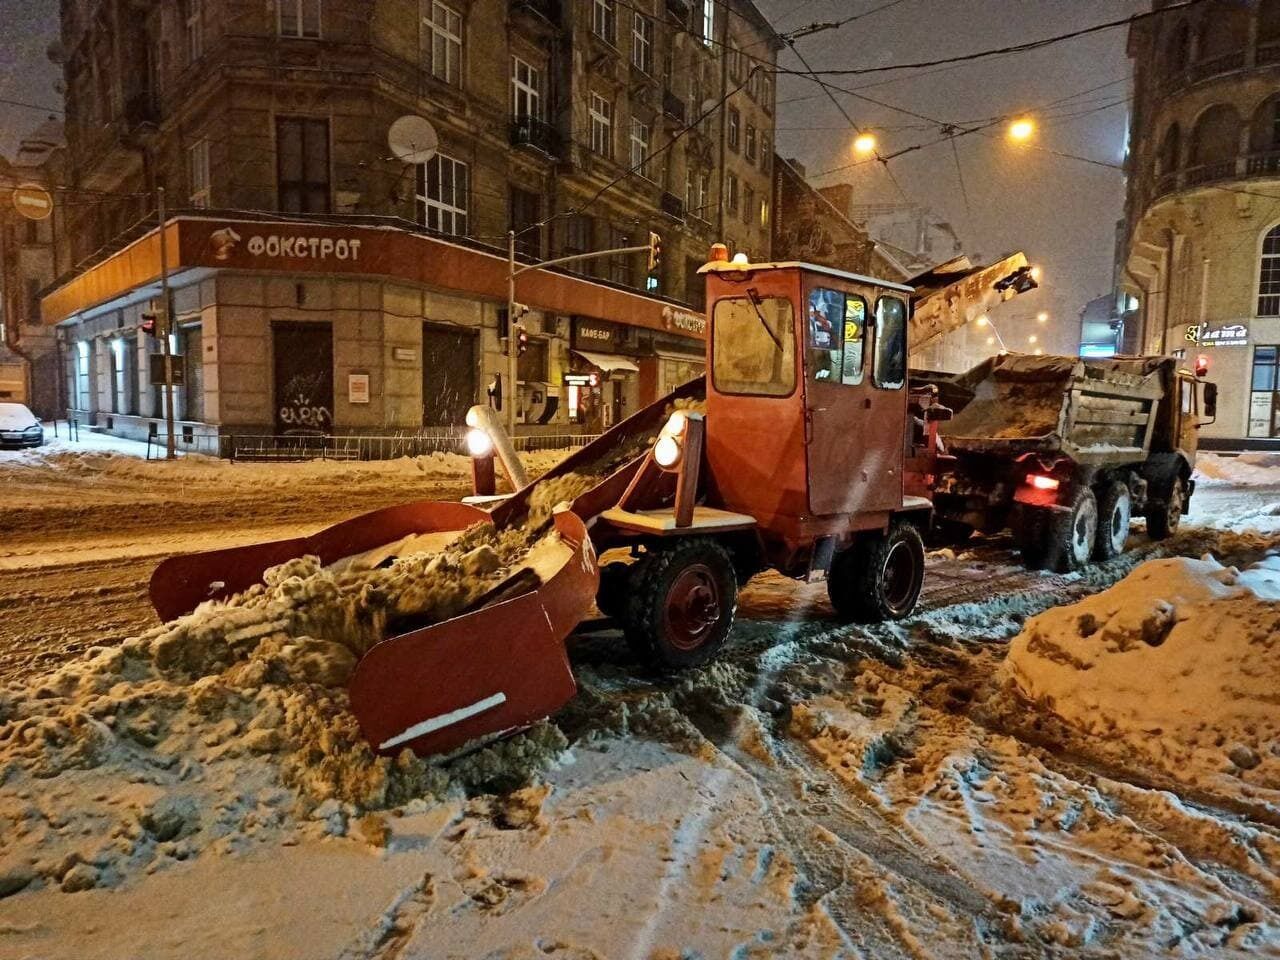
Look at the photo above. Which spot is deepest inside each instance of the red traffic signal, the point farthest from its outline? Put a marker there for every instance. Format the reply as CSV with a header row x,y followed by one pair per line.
x,y
148,324
522,341
1202,365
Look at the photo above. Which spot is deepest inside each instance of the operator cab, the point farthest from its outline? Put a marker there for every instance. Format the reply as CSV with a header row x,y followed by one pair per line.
x,y
806,395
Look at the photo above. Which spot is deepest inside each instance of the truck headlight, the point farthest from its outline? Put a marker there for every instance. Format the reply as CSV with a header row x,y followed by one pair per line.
x,y
667,452
479,443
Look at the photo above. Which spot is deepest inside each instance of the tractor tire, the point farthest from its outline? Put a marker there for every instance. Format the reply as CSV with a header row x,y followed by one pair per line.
x,y
1115,509
878,578
1072,534
615,584
1030,533
681,605
1164,513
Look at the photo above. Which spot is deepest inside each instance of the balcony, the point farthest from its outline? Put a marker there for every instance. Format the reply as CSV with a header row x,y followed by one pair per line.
x,y
528,132
1215,66
1263,164
548,10
673,107
673,207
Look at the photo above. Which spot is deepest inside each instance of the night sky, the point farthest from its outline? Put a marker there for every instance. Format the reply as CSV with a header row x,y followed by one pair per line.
x,y
1062,212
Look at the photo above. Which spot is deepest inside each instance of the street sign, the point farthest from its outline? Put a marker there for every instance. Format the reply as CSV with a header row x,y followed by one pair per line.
x,y
157,369
32,201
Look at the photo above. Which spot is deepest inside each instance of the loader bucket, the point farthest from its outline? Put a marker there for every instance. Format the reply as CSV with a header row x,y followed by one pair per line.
x,y
180,584
487,673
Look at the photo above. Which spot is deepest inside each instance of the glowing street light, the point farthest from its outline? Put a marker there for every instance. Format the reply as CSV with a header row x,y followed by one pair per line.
x,y
1031,339
1042,317
1022,130
865,144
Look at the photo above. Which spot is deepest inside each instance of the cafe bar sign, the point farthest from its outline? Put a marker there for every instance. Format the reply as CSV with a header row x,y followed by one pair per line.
x,y
1232,334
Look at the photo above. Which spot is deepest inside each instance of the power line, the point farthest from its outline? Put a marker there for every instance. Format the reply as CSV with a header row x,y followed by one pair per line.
x,y
821,27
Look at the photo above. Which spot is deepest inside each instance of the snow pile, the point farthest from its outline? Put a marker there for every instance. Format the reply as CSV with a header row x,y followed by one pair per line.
x,y
232,723
1250,469
1177,665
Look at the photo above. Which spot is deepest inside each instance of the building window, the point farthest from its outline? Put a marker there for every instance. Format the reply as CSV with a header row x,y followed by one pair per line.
x,y
579,238
764,213
620,266
748,205
639,146
751,147
735,129
525,213
642,43
302,164
299,18
731,201
198,174
442,39
604,20
1264,396
82,375
1269,278
601,125
442,195
119,377
709,22
734,56
526,90
766,152
194,30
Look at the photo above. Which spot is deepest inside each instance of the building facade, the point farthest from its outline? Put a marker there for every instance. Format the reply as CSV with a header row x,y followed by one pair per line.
x,y
1202,226
562,121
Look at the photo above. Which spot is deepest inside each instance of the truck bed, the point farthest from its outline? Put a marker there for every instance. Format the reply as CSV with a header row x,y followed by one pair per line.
x,y
1097,412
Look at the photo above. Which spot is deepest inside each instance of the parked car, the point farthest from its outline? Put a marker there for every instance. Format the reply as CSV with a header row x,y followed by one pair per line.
x,y
19,427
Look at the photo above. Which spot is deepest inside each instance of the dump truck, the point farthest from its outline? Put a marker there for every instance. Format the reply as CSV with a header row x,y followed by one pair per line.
x,y
803,450
1063,451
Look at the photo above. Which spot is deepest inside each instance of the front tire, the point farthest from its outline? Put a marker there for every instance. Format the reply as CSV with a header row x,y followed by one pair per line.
x,y
879,578
682,604
1074,533
1165,514
1115,509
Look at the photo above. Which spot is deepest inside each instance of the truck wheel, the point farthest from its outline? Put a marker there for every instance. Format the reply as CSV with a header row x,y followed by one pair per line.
x,y
1072,534
682,604
1165,513
1030,533
879,578
1115,509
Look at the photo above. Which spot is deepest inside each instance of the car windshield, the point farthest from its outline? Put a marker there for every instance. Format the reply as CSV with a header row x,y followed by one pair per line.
x,y
753,346
14,416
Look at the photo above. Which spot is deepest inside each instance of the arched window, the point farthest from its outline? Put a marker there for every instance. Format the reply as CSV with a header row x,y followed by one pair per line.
x,y
1170,151
1269,276
1264,129
1215,141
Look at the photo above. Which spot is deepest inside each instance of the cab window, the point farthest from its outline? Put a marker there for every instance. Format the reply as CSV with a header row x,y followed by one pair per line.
x,y
889,369
1188,395
837,325
753,346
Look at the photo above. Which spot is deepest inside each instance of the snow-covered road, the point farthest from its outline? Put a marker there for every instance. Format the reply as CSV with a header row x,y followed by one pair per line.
x,y
823,791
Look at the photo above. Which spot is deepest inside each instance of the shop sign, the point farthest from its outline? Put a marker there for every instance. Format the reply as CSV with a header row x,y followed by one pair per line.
x,y
358,387
591,334
1233,334
684,322
1261,403
406,354
285,246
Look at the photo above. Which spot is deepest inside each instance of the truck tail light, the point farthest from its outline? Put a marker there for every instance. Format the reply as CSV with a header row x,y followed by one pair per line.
x,y
1041,482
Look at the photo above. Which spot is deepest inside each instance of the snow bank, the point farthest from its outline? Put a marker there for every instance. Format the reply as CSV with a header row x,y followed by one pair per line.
x,y
1249,469
1177,664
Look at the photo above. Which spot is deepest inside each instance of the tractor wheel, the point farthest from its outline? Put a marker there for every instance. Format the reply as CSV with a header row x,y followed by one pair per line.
x,y
1164,513
682,603
615,581
1071,534
1114,510
878,578
1030,533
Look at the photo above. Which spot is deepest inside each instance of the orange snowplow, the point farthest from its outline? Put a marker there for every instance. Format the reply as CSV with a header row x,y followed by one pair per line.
x,y
797,452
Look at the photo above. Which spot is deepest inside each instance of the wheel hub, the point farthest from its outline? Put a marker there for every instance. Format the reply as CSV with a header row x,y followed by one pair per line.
x,y
693,607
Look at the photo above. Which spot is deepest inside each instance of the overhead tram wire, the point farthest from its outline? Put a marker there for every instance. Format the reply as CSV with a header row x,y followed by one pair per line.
x,y
813,28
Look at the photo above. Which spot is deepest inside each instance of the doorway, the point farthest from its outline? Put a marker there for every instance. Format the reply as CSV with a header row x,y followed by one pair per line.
x,y
303,355
448,375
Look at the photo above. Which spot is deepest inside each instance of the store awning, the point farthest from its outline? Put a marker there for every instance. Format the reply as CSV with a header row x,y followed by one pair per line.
x,y
608,362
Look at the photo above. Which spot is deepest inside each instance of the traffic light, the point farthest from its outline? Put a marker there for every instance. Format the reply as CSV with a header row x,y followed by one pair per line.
x,y
655,252
522,340
148,324
1202,365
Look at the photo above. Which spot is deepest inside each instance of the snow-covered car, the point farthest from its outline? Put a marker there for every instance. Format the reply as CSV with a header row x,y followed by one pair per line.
x,y
19,427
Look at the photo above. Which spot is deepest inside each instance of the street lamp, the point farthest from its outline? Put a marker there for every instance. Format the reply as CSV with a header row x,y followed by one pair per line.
x,y
1042,317
1031,339
1022,130
865,144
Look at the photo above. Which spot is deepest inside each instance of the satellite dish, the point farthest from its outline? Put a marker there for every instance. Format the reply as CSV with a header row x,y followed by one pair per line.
x,y
413,139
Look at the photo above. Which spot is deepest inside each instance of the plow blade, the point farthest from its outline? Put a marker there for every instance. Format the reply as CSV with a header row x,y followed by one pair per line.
x,y
182,583
489,672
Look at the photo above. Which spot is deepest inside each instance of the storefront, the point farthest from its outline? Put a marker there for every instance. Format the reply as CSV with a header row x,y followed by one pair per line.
x,y
348,327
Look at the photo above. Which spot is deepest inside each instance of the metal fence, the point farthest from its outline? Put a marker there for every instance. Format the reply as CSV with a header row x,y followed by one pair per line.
x,y
263,448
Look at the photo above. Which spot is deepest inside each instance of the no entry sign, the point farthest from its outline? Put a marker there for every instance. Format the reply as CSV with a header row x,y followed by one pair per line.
x,y
33,201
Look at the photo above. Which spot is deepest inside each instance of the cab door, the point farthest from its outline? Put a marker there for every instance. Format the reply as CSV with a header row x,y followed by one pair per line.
x,y
855,399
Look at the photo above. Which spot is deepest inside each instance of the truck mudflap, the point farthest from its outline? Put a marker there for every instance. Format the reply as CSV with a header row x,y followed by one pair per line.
x,y
489,672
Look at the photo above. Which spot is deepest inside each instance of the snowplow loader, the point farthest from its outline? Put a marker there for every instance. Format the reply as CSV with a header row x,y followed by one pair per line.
x,y
792,454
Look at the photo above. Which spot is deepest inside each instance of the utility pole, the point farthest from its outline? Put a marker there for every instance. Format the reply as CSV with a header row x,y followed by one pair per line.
x,y
166,329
